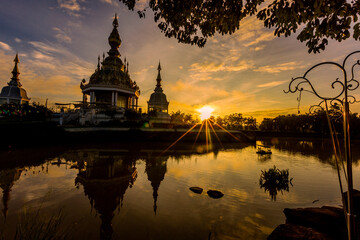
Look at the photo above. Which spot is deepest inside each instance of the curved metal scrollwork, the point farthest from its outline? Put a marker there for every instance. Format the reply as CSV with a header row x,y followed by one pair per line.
x,y
300,84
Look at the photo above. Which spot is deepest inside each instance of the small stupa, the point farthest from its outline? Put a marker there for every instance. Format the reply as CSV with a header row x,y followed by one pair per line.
x,y
158,105
14,93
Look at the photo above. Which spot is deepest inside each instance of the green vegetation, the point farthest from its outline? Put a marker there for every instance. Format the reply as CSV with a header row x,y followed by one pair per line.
x,y
194,21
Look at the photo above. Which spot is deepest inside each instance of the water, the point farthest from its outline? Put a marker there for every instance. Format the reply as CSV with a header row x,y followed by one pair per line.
x,y
131,191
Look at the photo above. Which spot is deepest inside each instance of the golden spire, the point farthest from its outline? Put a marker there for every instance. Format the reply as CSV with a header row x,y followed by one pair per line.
x,y
115,22
15,81
158,79
114,39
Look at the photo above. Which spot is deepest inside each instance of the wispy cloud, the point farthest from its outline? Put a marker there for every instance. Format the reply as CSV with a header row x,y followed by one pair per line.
x,y
5,46
263,37
41,56
271,84
18,40
278,67
111,2
61,36
71,5
224,66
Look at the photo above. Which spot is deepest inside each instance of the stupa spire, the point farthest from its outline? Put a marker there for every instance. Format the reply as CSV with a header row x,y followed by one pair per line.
x,y
98,65
114,39
158,79
15,81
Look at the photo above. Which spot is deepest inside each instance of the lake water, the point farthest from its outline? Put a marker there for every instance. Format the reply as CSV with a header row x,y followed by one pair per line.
x,y
138,191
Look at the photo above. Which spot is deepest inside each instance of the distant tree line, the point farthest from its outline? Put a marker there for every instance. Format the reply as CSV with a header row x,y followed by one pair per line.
x,y
315,122
234,121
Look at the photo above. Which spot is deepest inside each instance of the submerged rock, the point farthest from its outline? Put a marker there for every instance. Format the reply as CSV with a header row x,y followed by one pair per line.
x,y
198,190
292,231
215,194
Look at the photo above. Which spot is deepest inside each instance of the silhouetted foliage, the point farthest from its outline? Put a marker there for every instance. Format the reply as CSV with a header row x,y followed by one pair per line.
x,y
194,21
315,122
236,121
275,180
181,119
25,112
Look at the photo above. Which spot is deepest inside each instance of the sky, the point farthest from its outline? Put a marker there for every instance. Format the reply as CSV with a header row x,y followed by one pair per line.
x,y
58,42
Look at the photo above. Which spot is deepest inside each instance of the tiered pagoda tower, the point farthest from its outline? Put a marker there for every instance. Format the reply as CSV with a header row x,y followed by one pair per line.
x,y
111,84
158,101
14,93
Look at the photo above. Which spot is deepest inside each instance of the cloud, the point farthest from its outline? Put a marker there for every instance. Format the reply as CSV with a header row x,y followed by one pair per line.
x,y
18,40
111,2
208,67
271,84
264,37
141,4
41,56
70,5
278,67
5,46
45,47
252,32
61,36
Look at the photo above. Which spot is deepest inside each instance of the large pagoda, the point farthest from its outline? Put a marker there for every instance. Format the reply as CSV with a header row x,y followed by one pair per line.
x,y
14,93
111,84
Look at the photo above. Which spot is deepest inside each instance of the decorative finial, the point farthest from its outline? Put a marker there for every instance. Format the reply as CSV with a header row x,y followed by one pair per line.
x,y
127,67
98,66
115,22
158,79
114,40
15,81
103,56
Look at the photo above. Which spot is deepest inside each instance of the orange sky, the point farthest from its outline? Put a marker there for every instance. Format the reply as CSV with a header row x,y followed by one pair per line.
x,y
59,41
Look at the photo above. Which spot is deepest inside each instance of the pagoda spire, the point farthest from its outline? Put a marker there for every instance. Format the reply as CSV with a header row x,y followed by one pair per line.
x,y
158,79
114,39
15,81
98,65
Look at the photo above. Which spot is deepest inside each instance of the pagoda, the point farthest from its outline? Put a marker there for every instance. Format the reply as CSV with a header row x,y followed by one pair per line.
x,y
158,106
14,93
158,102
110,84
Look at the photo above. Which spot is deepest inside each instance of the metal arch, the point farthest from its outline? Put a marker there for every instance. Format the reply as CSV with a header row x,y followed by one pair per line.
x,y
350,85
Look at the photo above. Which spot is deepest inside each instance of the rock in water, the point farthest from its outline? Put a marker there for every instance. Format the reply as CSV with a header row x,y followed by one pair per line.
x,y
215,194
198,190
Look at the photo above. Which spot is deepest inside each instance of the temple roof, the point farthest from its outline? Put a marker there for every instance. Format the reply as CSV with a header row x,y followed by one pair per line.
x,y
112,73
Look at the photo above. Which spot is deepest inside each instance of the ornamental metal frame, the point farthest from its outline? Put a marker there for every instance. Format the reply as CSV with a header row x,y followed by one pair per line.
x,y
341,96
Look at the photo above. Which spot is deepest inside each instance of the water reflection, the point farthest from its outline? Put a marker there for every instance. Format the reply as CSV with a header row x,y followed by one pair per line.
x,y
129,186
7,179
275,180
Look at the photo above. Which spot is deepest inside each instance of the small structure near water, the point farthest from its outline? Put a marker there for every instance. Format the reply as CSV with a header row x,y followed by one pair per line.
x,y
158,106
14,93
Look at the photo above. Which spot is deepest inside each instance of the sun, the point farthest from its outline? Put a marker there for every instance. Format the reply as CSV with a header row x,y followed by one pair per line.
x,y
205,112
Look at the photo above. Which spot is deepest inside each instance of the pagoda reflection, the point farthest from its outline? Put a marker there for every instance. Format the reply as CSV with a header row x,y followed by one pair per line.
x,y
105,177
155,169
7,179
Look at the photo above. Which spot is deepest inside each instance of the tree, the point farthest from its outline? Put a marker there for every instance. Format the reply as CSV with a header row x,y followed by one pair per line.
x,y
194,21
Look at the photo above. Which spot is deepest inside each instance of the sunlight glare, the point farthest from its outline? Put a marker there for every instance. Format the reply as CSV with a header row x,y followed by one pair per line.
x,y
205,112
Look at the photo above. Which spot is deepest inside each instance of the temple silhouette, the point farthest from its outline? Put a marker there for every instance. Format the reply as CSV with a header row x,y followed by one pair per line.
x,y
14,93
